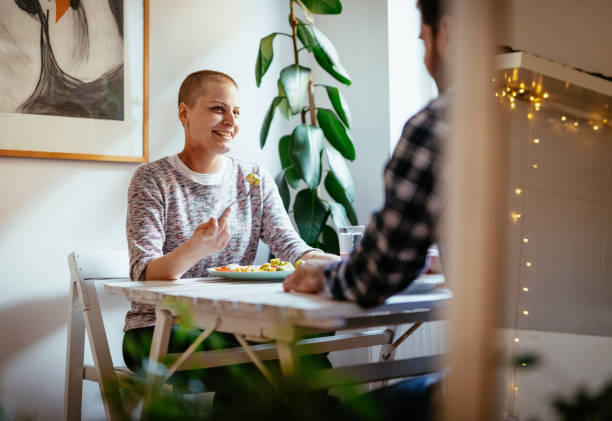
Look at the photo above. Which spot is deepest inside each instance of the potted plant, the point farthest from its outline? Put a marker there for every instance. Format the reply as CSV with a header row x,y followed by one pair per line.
x,y
320,142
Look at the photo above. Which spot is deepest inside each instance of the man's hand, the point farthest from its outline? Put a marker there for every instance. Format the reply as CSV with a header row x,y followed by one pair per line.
x,y
308,277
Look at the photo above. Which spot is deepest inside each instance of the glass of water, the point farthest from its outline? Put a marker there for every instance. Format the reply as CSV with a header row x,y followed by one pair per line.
x,y
348,238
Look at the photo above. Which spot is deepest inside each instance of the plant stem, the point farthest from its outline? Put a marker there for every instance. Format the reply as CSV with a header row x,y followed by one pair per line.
x,y
311,104
295,47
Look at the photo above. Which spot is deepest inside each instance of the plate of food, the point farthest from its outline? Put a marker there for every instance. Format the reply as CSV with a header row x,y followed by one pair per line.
x,y
275,269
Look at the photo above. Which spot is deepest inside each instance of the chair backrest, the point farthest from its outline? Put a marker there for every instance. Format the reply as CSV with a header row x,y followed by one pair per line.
x,y
87,267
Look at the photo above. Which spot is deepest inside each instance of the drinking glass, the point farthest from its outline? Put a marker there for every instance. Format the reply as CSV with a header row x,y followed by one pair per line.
x,y
348,238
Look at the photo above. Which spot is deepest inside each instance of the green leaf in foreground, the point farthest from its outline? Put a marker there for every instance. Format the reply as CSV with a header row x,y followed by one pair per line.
x,y
264,57
265,127
305,152
336,133
310,215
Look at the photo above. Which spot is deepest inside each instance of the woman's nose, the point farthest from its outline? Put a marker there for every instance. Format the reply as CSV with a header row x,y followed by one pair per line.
x,y
230,119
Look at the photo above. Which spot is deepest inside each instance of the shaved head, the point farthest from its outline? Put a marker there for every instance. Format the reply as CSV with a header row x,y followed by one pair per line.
x,y
194,85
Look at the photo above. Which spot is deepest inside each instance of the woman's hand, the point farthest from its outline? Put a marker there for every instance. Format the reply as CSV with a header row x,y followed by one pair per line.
x,y
212,236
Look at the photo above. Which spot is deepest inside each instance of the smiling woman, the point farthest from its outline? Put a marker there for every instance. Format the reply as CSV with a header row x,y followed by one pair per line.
x,y
197,210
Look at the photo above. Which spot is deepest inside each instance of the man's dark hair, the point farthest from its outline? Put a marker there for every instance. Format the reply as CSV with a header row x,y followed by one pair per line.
x,y
432,11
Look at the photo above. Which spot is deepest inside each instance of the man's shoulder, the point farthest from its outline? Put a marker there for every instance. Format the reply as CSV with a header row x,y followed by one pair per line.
x,y
431,121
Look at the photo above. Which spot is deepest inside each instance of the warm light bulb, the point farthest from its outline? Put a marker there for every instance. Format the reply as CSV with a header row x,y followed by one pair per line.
x,y
503,93
531,98
496,94
596,127
493,79
511,99
525,240
563,118
605,120
513,93
521,91
525,289
545,95
515,216
512,105
518,191
528,264
536,140
516,388
534,166
530,116
575,124
516,339
525,312
524,364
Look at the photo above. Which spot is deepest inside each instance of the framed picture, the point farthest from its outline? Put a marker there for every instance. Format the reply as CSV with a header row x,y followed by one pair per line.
x,y
74,79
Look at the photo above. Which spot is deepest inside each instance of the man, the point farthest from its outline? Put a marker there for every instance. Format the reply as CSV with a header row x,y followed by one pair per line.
x,y
394,248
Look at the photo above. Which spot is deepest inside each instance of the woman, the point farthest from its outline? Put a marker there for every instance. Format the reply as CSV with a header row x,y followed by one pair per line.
x,y
180,221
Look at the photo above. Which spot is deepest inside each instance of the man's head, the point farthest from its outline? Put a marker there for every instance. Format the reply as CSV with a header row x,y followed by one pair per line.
x,y
436,33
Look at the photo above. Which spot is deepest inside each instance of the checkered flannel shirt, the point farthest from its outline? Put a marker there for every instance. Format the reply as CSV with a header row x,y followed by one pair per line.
x,y
393,250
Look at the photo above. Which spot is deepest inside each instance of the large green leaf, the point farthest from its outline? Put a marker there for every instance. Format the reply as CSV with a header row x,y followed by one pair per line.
x,y
339,104
310,215
305,153
336,133
305,35
338,166
265,127
283,189
283,106
337,192
291,175
324,51
323,7
329,240
264,57
338,214
294,80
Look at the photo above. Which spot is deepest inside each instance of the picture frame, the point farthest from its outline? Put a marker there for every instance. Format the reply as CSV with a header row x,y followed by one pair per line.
x,y
98,112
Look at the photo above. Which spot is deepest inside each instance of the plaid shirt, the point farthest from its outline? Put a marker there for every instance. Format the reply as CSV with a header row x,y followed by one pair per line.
x,y
393,250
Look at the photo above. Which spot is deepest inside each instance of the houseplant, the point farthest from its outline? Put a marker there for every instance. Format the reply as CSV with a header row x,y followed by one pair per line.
x,y
302,152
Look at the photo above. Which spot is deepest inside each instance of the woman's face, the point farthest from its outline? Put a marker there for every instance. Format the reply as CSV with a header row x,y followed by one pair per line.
x,y
211,124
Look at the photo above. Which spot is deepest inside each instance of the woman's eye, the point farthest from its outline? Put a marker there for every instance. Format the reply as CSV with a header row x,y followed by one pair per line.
x,y
218,108
236,113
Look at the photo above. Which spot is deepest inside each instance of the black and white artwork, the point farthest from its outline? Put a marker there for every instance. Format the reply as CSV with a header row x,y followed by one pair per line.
x,y
62,58
73,79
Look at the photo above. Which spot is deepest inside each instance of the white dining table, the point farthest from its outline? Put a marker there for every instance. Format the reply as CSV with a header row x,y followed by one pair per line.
x,y
271,324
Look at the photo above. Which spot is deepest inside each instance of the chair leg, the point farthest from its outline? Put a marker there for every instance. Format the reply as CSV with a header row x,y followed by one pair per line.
x,y
75,348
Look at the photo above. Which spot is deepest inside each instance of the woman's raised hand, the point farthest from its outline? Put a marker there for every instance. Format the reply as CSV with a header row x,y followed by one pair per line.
x,y
211,236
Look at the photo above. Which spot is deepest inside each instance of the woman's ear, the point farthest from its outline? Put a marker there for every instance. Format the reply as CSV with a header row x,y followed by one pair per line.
x,y
183,113
444,37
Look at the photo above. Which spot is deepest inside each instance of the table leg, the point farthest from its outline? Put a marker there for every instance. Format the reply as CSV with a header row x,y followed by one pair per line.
x,y
286,357
387,352
159,349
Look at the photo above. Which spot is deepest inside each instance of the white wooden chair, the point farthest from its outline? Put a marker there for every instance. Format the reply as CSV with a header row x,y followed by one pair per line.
x,y
87,267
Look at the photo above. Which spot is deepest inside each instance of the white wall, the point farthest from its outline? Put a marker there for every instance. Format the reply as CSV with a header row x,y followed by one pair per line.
x,y
51,207
566,211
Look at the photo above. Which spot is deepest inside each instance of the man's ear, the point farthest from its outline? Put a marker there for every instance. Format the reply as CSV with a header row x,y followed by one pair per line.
x,y
444,37
183,113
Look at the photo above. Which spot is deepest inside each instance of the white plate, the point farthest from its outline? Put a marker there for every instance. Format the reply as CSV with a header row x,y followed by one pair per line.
x,y
251,276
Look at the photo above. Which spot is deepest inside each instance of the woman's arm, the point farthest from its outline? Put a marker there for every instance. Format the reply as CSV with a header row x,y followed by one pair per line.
x,y
208,238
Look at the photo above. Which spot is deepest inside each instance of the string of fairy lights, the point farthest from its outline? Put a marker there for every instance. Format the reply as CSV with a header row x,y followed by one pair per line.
x,y
512,91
